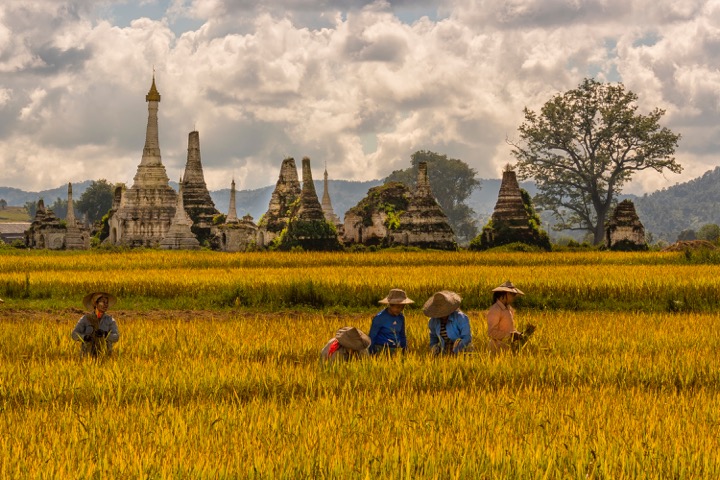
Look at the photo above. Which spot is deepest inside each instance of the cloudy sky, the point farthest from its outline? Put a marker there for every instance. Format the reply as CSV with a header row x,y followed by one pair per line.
x,y
358,84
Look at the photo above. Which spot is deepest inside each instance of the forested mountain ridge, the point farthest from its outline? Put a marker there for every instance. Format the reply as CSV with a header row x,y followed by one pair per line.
x,y
683,206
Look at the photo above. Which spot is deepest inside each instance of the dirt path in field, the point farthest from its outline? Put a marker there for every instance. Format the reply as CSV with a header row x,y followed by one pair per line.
x,y
73,314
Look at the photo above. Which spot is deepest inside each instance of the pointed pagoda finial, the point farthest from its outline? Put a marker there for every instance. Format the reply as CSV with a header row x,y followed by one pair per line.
x,y
153,95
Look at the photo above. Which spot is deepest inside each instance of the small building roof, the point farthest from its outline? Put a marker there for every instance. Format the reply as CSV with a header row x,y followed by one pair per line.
x,y
14,228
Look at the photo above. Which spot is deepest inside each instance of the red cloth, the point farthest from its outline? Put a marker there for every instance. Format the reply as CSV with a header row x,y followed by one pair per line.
x,y
333,348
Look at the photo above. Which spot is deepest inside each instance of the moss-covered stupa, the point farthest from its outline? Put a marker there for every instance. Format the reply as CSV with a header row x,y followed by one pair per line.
x,y
392,215
308,228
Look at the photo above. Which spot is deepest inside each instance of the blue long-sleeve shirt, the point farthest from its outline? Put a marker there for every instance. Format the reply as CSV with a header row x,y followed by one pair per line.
x,y
387,330
458,327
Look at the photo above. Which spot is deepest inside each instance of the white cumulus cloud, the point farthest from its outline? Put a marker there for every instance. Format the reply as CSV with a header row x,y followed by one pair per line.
x,y
360,85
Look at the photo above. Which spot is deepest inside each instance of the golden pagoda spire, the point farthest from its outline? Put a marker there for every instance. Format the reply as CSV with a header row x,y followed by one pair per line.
x,y
153,95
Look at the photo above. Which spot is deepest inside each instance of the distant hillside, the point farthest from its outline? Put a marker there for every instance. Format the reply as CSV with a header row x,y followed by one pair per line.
x,y
13,215
344,194
18,198
688,205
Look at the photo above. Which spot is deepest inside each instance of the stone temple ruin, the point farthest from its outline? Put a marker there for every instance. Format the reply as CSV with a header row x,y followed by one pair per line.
x,y
142,215
49,232
77,235
236,235
150,213
45,230
295,217
392,215
196,197
180,236
624,231
513,220
282,202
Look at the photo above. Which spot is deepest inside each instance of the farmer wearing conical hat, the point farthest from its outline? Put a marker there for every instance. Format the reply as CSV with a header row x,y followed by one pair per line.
x,y
387,331
348,343
501,319
449,327
97,331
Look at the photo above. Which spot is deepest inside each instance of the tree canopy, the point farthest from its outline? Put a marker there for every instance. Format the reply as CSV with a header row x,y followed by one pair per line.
x,y
584,145
683,206
709,232
59,208
96,201
31,208
452,181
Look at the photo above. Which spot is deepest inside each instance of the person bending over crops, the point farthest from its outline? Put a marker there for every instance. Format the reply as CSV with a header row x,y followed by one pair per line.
x,y
449,327
501,320
97,331
387,332
349,343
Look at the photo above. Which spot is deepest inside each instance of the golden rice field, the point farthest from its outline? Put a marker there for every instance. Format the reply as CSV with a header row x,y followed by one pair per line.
x,y
272,281
203,385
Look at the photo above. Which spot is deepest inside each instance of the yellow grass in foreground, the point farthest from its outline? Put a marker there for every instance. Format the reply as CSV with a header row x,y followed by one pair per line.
x,y
599,396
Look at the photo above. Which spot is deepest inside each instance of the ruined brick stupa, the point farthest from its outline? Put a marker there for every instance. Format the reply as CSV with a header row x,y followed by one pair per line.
x,y
236,235
624,231
310,208
180,236
146,210
307,227
425,225
513,220
372,221
45,231
391,215
196,196
49,232
287,192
